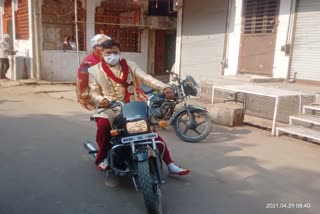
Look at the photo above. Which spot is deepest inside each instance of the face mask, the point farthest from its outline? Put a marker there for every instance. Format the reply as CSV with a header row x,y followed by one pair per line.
x,y
112,59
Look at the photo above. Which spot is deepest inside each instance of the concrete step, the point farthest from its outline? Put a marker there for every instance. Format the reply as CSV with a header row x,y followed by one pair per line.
x,y
307,118
314,107
300,131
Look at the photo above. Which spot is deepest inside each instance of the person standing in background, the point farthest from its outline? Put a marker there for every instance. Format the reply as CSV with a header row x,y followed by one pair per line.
x,y
66,43
72,43
4,52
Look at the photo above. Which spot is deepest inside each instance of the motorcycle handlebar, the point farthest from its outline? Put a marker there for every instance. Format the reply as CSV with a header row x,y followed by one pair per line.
x,y
112,104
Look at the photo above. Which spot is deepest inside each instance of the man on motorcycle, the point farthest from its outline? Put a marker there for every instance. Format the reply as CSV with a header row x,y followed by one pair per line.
x,y
115,79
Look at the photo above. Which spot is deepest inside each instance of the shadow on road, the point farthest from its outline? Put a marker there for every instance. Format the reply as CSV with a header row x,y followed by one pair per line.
x,y
222,134
219,134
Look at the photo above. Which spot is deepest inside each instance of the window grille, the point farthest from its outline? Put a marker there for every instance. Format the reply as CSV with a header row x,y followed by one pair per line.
x,y
58,23
260,16
7,9
22,20
117,19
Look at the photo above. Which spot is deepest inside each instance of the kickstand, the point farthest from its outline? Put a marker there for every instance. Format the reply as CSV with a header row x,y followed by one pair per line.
x,y
135,184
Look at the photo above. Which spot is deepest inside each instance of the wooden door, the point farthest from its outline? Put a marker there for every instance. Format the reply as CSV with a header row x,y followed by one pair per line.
x,y
165,47
258,38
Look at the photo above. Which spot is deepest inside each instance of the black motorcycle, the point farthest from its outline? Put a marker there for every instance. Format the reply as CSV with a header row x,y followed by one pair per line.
x,y
191,123
134,152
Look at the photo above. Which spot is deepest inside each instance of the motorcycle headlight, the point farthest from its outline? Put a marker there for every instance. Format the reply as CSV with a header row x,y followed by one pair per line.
x,y
137,127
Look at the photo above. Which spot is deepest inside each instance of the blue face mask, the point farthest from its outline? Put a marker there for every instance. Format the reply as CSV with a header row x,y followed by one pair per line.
x,y
112,59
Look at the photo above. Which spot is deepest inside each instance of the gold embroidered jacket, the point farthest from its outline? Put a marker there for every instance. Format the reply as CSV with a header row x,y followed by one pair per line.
x,y
102,87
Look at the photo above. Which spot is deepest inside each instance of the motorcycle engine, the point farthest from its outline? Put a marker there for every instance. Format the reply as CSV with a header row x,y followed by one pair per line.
x,y
165,111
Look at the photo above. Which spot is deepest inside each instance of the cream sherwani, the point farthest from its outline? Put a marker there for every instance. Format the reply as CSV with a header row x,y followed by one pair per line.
x,y
102,87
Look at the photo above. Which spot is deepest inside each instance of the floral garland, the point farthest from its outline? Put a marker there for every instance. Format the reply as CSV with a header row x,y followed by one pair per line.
x,y
122,80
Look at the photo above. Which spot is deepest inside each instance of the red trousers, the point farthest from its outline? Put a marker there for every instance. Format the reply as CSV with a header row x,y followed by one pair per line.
x,y
103,138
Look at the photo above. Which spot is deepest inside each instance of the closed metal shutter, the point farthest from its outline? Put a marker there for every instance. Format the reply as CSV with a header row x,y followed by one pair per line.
x,y
306,50
203,38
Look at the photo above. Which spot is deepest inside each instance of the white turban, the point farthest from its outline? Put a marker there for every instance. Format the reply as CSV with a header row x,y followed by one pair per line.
x,y
98,39
6,36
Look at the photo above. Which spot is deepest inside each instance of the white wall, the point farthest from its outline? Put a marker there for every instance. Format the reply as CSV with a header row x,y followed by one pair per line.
x,y
281,61
24,48
203,38
234,34
59,65
17,61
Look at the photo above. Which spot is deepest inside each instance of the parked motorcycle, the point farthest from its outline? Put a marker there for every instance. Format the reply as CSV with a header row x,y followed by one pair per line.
x,y
191,123
134,152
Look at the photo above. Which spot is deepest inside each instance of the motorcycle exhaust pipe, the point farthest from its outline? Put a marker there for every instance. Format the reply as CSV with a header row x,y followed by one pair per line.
x,y
91,148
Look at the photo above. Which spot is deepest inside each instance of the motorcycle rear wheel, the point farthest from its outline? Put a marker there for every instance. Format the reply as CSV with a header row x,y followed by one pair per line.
x,y
187,127
150,190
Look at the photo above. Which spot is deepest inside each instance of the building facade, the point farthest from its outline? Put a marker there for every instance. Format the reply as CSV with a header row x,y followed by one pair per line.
x,y
204,38
272,38
145,30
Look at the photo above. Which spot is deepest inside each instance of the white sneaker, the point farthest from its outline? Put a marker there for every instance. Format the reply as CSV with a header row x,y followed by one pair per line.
x,y
176,170
104,166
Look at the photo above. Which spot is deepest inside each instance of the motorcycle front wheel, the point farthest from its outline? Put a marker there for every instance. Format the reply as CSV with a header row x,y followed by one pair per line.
x,y
194,127
149,188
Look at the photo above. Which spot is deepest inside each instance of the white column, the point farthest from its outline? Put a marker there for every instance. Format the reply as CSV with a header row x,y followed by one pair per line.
x,y
90,18
31,41
38,14
281,60
179,38
91,9
77,32
13,36
234,35
38,37
1,18
275,116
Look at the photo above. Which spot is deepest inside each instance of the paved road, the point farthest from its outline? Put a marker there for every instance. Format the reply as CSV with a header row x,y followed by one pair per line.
x,y
44,168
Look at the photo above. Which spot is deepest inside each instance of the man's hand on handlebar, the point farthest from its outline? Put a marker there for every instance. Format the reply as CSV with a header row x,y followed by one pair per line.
x,y
104,103
169,93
